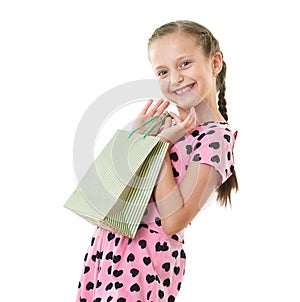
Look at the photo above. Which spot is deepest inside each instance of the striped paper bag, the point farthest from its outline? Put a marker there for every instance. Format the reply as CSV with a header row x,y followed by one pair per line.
x,y
116,189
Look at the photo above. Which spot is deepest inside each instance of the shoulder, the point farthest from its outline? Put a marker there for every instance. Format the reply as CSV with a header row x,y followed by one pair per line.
x,y
215,133
213,144
214,127
210,134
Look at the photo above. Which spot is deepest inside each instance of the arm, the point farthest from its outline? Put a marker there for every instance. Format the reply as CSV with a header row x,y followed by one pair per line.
x,y
178,205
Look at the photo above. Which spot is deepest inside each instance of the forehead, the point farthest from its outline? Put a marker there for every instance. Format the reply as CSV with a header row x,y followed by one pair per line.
x,y
172,45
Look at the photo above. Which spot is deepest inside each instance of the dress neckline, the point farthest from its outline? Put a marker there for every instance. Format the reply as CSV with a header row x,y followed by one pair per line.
x,y
211,122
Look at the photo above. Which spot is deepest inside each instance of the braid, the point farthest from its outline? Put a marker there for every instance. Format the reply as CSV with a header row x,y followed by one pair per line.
x,y
222,88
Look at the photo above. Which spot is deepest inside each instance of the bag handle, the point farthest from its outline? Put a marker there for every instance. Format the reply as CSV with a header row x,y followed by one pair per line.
x,y
150,123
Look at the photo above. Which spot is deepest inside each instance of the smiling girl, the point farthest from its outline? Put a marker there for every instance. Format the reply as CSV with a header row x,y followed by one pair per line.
x,y
189,64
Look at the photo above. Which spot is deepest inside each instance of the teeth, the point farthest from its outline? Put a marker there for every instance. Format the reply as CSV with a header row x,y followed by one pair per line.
x,y
181,91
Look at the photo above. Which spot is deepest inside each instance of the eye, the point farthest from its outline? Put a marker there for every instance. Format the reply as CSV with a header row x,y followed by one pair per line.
x,y
185,64
161,73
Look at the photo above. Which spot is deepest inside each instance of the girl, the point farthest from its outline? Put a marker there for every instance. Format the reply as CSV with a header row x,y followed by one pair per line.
x,y
188,62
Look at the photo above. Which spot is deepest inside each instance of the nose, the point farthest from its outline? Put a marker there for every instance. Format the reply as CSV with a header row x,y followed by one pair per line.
x,y
176,77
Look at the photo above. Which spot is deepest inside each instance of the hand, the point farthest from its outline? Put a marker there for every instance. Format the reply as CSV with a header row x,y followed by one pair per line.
x,y
149,112
172,133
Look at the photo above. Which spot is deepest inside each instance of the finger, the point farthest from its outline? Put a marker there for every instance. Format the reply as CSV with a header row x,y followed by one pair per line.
x,y
168,123
182,113
175,117
153,110
186,121
160,107
146,107
163,107
190,122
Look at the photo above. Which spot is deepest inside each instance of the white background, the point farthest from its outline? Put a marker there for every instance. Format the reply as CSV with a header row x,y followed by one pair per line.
x,y
57,57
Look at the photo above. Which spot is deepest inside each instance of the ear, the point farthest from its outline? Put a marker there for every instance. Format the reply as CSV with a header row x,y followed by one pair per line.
x,y
217,63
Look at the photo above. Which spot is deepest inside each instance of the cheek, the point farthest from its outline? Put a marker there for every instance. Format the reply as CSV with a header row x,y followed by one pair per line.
x,y
164,86
205,81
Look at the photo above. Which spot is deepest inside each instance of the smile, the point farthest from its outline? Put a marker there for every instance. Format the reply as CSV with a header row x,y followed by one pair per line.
x,y
184,90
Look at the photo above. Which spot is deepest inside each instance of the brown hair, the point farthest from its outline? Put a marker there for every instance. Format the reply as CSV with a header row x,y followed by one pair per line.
x,y
210,45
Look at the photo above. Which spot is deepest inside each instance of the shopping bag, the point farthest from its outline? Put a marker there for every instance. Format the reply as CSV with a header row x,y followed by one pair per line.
x,y
116,189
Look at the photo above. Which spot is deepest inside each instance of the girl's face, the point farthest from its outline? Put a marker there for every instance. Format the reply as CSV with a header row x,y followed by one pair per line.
x,y
186,74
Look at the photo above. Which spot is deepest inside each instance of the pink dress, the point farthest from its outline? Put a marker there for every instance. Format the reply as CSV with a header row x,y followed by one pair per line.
x,y
151,266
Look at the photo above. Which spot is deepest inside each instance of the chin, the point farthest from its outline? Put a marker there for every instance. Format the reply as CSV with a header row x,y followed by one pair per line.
x,y
186,102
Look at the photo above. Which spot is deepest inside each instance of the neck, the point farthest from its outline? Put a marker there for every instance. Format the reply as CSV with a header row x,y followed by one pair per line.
x,y
208,111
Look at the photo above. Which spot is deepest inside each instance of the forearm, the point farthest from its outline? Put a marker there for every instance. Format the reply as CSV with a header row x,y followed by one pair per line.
x,y
169,200
179,204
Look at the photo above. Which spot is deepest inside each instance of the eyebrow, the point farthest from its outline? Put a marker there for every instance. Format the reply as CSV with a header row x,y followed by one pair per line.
x,y
183,57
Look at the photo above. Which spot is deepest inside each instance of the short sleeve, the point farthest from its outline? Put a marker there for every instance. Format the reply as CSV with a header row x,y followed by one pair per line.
x,y
213,145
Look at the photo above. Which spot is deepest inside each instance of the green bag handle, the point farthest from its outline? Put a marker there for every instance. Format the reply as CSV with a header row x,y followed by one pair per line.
x,y
150,123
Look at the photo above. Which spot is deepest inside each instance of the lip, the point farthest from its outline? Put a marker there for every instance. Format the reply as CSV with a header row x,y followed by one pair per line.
x,y
184,89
